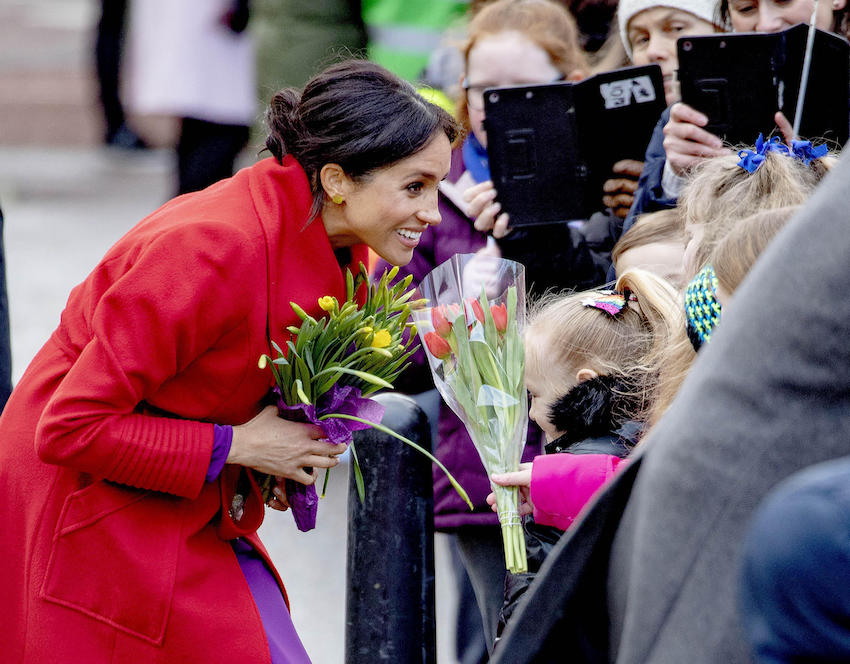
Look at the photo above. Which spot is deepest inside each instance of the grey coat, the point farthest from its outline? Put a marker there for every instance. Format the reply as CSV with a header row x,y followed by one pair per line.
x,y
651,571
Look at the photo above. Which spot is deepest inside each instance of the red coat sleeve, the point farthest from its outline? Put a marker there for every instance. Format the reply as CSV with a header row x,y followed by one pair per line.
x,y
562,484
151,311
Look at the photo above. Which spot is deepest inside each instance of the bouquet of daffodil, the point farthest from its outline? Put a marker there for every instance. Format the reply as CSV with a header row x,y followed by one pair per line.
x,y
475,351
331,365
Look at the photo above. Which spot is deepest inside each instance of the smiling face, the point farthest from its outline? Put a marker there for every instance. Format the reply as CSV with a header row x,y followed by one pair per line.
x,y
389,209
652,34
776,15
503,59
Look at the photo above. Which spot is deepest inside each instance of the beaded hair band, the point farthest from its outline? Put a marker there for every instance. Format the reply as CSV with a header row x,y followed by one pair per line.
x,y
702,310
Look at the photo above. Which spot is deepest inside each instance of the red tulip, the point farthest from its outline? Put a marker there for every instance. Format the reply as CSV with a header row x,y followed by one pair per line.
x,y
441,324
500,316
437,346
478,311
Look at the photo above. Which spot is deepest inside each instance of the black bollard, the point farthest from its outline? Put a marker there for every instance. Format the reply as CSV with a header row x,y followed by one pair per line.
x,y
389,610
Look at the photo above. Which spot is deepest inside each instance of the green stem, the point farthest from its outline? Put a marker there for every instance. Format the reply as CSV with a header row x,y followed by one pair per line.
x,y
419,448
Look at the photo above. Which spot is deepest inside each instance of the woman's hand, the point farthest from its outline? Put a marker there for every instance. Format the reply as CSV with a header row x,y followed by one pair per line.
x,y
279,502
522,480
485,210
784,126
281,448
619,191
686,142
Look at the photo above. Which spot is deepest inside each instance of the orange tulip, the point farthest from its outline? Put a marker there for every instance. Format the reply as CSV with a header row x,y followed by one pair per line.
x,y
500,316
441,324
478,311
437,346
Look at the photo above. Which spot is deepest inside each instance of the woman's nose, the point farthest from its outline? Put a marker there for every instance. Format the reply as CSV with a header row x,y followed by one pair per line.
x,y
770,19
430,214
656,49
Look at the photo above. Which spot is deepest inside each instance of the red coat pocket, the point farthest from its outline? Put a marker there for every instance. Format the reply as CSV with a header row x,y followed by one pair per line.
x,y
114,557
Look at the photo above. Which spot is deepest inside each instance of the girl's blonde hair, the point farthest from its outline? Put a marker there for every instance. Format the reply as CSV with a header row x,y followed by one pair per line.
x,y
718,192
547,24
733,257
661,226
574,336
736,253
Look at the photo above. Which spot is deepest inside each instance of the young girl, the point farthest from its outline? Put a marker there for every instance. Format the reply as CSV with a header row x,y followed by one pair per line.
x,y
721,195
656,242
721,191
591,379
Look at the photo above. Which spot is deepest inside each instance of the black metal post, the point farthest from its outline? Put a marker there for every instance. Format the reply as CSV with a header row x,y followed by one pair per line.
x,y
389,611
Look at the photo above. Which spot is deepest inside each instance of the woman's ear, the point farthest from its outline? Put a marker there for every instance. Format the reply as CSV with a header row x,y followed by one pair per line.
x,y
585,374
334,181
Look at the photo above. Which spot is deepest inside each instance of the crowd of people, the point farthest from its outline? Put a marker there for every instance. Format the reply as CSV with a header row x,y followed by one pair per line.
x,y
682,483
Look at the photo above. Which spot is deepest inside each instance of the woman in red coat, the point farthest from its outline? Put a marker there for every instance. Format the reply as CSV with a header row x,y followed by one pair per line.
x,y
124,442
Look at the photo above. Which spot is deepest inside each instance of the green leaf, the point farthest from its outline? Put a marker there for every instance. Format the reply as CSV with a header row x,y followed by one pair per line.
x,y
407,441
300,391
358,476
369,378
349,284
303,315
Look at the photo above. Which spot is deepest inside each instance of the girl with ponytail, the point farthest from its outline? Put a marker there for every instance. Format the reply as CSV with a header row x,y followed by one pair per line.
x,y
591,373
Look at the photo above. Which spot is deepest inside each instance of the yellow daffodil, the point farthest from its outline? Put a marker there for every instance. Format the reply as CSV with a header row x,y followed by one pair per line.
x,y
327,303
382,339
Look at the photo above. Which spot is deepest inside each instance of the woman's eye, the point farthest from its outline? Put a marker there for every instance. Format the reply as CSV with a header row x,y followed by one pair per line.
x,y
415,187
742,8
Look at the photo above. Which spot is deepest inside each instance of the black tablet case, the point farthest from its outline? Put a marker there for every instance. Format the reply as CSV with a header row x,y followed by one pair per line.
x,y
551,147
740,80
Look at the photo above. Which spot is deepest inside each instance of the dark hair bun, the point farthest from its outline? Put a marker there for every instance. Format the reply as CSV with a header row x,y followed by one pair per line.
x,y
283,118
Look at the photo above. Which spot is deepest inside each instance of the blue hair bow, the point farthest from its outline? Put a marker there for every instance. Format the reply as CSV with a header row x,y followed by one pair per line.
x,y
805,151
750,160
802,150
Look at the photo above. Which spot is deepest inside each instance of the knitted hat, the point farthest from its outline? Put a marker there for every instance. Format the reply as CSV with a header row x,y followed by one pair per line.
x,y
626,10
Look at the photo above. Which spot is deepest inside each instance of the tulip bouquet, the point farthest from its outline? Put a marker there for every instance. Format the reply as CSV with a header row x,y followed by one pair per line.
x,y
332,365
476,356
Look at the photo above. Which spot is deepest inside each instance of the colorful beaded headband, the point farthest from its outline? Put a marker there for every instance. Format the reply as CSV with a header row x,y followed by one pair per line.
x,y
702,310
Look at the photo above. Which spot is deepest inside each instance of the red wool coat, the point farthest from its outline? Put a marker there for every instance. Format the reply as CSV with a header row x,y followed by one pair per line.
x,y
112,547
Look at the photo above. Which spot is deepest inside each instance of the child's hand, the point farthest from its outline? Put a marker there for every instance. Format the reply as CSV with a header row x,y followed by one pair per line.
x,y
619,191
521,479
484,208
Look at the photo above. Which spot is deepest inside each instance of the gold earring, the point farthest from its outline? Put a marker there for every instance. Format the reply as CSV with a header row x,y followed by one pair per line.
x,y
337,198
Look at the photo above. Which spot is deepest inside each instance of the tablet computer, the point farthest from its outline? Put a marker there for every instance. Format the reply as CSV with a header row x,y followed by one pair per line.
x,y
740,80
551,147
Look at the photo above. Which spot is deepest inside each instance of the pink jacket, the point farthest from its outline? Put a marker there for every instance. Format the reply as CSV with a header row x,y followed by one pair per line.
x,y
562,484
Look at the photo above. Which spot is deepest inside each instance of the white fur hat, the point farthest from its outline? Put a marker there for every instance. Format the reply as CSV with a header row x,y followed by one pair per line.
x,y
626,10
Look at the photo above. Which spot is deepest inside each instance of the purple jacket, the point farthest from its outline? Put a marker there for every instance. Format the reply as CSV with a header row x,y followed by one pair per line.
x,y
454,235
